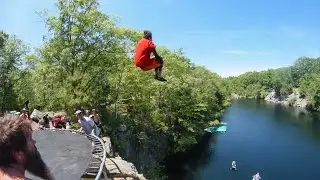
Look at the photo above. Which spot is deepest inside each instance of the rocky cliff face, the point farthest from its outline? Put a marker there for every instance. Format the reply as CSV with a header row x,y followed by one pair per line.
x,y
293,99
236,96
118,168
146,150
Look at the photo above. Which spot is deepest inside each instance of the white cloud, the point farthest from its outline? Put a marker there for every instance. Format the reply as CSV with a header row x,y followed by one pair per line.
x,y
167,2
283,30
243,52
292,31
314,53
230,33
200,32
236,71
236,52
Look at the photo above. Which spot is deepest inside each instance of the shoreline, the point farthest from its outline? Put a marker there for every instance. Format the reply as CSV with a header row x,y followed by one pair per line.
x,y
293,100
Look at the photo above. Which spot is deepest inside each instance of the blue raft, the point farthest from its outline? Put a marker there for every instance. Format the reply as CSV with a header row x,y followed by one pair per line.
x,y
221,128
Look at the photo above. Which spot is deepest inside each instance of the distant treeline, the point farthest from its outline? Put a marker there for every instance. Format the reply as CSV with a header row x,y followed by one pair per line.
x,y
303,75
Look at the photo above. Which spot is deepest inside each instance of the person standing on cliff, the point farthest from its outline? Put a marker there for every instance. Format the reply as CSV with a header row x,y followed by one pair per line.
x,y
142,57
97,120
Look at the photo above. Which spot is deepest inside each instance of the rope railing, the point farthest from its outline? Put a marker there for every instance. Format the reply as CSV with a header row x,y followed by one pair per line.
x,y
98,152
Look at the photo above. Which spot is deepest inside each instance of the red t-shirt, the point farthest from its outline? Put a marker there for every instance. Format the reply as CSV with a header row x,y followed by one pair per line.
x,y
144,49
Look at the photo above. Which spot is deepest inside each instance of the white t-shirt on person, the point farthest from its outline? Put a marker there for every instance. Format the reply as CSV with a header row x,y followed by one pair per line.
x,y
88,125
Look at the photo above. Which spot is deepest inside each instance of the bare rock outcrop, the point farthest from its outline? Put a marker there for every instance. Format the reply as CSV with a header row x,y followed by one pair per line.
x,y
117,168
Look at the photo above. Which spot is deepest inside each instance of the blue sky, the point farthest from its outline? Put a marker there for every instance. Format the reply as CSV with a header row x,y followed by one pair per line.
x,y
228,37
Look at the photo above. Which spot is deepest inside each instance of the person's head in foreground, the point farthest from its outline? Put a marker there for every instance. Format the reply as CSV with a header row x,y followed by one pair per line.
x,y
18,151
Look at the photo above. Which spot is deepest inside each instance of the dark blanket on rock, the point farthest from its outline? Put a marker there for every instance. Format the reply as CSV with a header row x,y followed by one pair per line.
x,y
65,153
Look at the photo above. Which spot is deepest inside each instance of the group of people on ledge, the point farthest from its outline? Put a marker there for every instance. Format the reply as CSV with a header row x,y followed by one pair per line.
x,y
234,167
18,151
90,122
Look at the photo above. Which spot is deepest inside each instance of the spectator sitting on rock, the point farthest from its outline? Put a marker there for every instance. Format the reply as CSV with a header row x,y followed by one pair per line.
x,y
59,120
24,114
45,122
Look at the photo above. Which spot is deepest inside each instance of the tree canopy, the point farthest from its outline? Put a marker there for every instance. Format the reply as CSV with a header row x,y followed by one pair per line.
x,y
302,75
86,59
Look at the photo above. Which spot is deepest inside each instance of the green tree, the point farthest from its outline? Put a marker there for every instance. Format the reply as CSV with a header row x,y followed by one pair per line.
x,y
12,52
84,46
310,86
303,66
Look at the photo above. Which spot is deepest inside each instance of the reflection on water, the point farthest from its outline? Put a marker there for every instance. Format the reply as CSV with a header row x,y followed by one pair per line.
x,y
182,166
280,142
309,122
293,116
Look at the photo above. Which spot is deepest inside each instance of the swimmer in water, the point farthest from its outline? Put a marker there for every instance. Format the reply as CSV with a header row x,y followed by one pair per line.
x,y
256,176
233,166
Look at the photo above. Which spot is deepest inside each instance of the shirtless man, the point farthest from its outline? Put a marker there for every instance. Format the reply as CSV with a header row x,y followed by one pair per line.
x,y
18,152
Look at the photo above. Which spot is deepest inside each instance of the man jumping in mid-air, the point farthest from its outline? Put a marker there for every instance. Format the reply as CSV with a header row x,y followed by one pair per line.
x,y
142,57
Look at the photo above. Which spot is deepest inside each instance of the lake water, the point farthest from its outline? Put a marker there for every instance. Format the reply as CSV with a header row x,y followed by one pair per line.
x,y
278,142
